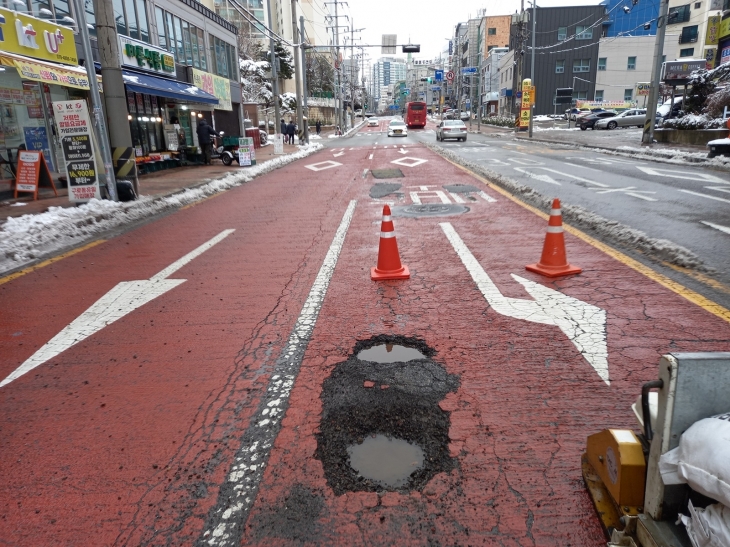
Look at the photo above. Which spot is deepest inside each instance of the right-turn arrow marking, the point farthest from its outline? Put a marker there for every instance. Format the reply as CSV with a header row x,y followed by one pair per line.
x,y
583,323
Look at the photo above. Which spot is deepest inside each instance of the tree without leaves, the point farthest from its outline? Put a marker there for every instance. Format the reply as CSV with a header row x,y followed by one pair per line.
x,y
320,74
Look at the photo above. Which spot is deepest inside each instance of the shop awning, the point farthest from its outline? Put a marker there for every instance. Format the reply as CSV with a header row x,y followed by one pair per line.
x,y
172,89
46,72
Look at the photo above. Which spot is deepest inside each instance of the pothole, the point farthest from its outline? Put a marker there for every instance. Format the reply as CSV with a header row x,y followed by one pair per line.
x,y
429,210
461,188
387,173
372,408
390,353
381,189
384,460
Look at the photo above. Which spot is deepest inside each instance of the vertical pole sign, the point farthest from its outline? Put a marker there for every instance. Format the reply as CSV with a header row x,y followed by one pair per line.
x,y
528,99
74,127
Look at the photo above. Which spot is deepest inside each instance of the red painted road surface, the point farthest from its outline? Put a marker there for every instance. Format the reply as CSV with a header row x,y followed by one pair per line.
x,y
124,438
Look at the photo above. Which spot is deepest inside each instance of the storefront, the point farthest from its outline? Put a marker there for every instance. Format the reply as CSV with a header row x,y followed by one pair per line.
x,y
163,112
723,48
30,79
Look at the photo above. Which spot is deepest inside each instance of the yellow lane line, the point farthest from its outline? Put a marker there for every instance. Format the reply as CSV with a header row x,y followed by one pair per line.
x,y
49,261
696,298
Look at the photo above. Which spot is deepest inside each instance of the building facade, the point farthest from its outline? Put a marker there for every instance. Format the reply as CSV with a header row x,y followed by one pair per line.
x,y
386,72
624,69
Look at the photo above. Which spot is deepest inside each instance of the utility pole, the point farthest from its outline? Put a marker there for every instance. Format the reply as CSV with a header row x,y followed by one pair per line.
x,y
532,64
115,100
661,28
97,111
339,110
297,77
274,76
305,128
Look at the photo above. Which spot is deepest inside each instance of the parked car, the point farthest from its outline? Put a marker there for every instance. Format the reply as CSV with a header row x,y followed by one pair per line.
x,y
573,113
589,120
397,128
634,117
663,110
451,129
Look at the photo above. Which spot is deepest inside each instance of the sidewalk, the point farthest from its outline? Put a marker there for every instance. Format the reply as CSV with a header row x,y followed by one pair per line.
x,y
160,183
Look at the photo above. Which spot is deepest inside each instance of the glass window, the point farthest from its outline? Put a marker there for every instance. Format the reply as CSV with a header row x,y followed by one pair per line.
x,y
161,29
580,95
491,31
602,63
37,5
188,57
599,95
119,17
201,51
562,33
582,65
90,17
688,52
144,29
631,64
232,62
560,66
629,94
583,32
698,5
679,14
194,44
689,35
131,19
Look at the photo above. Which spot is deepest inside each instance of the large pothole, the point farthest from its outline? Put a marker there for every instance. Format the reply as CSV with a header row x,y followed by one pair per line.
x,y
382,427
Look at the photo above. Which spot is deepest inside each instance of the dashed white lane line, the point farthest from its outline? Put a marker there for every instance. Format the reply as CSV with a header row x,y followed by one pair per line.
x,y
237,494
370,157
705,195
720,227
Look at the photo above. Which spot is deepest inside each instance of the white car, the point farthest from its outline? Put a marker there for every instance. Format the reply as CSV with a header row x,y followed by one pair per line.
x,y
451,129
373,122
397,128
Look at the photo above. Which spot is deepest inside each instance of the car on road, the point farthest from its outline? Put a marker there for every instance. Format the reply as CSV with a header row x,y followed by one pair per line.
x,y
451,129
634,117
397,128
589,120
373,122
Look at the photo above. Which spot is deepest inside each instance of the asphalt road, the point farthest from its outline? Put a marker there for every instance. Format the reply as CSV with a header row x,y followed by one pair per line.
x,y
684,206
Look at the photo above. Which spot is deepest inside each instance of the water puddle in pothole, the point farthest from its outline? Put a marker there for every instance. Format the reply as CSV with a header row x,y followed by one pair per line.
x,y
384,460
390,353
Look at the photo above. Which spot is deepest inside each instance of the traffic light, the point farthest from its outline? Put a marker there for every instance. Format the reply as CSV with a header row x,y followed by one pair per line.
x,y
429,80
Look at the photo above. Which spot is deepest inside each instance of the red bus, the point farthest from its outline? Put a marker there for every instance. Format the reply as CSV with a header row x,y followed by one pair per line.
x,y
415,114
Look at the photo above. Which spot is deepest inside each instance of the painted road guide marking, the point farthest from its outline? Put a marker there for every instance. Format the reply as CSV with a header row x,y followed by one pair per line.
x,y
123,299
583,323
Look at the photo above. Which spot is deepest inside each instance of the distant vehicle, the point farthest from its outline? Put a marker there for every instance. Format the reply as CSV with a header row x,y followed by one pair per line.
x,y
573,113
451,129
373,122
634,117
358,113
589,120
398,128
414,114
542,118
464,115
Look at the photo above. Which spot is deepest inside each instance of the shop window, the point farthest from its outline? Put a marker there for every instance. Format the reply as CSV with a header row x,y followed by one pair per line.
x,y
161,29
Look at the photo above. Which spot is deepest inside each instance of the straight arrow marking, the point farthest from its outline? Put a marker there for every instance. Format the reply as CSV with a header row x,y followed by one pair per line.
x,y
583,323
123,299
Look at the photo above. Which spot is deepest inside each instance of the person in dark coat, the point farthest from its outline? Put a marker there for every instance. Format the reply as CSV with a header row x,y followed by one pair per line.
x,y
283,130
291,131
318,126
206,136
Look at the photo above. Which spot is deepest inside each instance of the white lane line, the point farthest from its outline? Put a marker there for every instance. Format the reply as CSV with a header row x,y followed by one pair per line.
x,y
705,196
456,197
370,157
720,227
719,188
582,323
581,166
486,197
121,300
226,520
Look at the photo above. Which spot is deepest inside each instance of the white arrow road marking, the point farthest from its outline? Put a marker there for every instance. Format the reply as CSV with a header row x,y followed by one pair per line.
x,y
544,178
705,196
402,151
679,174
720,227
123,299
338,154
719,188
525,161
575,177
629,191
583,323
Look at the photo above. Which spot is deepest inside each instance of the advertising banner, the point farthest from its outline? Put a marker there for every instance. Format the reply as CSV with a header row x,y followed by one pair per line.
x,y
712,34
606,104
246,154
74,128
32,173
36,38
642,89
51,74
219,87
36,138
141,55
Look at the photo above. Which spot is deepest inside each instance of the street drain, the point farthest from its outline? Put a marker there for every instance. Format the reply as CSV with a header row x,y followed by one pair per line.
x,y
429,210
381,189
386,461
387,173
387,403
390,353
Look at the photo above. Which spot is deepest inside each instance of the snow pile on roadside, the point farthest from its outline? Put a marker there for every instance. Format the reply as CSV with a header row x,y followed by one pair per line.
x,y
602,228
670,155
29,237
555,128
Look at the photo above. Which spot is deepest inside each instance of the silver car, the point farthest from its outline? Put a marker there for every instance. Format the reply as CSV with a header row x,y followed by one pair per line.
x,y
628,118
451,129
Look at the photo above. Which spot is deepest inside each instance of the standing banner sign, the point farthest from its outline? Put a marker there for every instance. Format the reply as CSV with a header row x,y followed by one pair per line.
x,y
32,172
245,151
278,143
74,127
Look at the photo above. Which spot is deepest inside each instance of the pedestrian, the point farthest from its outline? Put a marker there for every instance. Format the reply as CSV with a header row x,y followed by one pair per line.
x,y
318,126
206,138
291,131
283,130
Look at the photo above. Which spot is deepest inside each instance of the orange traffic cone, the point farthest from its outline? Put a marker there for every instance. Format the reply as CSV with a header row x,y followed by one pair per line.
x,y
389,266
553,262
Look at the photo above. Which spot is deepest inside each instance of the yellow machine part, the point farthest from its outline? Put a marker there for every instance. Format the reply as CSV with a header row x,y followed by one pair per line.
x,y
618,460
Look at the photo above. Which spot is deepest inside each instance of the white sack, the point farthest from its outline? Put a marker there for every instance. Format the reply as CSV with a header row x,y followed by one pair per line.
x,y
709,527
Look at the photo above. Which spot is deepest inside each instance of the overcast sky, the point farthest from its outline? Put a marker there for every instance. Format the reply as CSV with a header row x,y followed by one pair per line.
x,y
426,22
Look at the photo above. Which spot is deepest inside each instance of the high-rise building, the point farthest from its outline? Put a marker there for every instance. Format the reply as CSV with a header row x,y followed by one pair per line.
x,y
386,72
